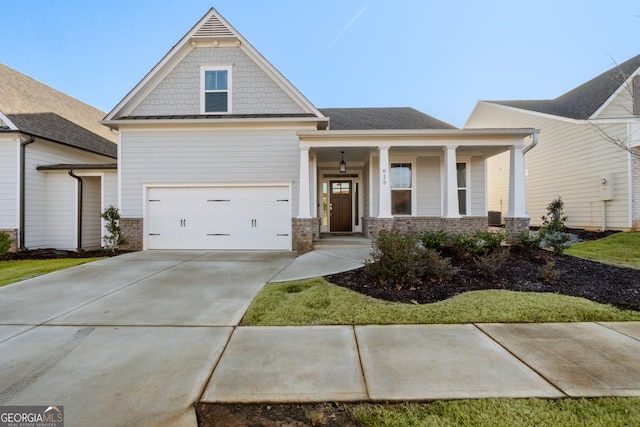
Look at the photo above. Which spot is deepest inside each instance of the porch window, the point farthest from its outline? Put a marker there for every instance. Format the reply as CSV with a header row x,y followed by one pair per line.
x,y
462,187
216,90
401,188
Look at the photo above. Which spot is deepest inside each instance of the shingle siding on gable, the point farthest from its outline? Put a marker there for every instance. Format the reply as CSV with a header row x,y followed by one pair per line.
x,y
253,91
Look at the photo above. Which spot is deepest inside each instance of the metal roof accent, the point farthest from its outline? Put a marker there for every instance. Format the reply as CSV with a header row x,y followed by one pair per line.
x,y
77,166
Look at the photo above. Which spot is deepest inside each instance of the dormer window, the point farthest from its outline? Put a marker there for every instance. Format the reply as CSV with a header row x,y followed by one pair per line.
x,y
216,90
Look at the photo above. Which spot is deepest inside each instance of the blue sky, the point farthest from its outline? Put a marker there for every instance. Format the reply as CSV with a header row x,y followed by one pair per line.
x,y
439,57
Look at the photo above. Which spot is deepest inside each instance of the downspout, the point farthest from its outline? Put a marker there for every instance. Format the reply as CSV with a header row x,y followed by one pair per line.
x,y
529,147
24,141
79,230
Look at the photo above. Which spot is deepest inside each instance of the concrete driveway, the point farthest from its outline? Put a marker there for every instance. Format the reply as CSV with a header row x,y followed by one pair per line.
x,y
130,340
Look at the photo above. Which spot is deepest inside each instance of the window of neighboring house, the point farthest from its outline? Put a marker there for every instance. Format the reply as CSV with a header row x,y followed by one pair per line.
x,y
462,187
216,90
401,188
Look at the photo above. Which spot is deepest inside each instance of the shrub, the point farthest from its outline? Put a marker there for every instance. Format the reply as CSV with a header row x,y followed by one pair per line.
x,y
530,240
5,243
400,260
114,239
397,259
553,224
478,243
548,273
489,264
434,239
557,241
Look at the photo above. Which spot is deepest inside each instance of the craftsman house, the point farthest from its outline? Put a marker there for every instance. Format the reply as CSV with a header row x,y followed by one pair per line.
x,y
57,166
588,152
218,150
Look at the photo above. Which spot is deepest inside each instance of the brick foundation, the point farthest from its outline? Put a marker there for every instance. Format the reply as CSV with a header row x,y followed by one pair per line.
x,y
372,226
514,227
305,230
13,235
132,231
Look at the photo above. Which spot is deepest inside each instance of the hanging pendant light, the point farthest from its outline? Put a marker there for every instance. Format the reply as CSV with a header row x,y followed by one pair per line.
x,y
343,165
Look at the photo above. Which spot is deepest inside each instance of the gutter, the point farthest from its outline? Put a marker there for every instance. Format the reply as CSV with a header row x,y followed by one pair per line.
x,y
24,141
530,147
79,214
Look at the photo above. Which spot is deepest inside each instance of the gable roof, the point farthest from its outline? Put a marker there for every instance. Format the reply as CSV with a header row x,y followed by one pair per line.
x,y
39,110
212,29
381,118
584,101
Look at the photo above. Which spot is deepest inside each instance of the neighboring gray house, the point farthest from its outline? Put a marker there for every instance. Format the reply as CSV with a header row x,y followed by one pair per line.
x,y
577,157
57,166
218,150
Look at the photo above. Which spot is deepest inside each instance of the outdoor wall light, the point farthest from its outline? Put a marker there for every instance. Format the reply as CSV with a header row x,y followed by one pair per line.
x,y
343,165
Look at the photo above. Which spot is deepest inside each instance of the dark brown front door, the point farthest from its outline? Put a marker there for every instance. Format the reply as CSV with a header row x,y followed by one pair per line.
x,y
340,206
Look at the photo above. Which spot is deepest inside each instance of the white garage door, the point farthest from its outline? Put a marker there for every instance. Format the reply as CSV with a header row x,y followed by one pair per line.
x,y
219,218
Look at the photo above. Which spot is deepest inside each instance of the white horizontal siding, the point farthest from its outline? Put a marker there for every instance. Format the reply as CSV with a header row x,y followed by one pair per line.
x,y
42,186
568,162
428,186
477,187
205,157
620,107
9,185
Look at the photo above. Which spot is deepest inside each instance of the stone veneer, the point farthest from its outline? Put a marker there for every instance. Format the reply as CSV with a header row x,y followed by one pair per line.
x,y
13,235
373,226
514,227
305,230
132,229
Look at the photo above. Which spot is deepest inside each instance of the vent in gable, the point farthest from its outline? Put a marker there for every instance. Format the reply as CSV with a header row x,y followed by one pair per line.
x,y
214,28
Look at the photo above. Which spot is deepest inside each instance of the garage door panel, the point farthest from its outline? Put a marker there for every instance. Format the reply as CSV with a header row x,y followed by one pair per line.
x,y
219,218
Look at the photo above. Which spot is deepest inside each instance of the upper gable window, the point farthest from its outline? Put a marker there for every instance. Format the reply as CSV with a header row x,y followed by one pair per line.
x,y
216,90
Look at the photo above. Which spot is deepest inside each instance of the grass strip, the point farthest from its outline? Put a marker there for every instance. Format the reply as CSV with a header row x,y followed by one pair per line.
x,y
620,249
17,270
317,302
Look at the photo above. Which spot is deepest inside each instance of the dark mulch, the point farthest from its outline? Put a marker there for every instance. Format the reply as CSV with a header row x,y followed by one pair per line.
x,y
57,253
522,272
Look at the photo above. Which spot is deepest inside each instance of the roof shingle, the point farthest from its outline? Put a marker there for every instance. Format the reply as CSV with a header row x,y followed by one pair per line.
x,y
42,111
381,118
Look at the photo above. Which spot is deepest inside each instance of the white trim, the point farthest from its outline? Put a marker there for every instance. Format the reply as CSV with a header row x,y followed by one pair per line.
x,y
119,173
615,94
18,190
229,91
8,122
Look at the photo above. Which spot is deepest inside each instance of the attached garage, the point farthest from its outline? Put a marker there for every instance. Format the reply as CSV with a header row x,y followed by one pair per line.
x,y
234,217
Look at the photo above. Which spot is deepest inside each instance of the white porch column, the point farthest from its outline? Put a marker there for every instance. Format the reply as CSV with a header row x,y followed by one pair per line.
x,y
304,210
384,198
451,208
517,191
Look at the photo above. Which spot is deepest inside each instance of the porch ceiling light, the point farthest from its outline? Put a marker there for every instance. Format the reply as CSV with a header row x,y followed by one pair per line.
x,y
343,165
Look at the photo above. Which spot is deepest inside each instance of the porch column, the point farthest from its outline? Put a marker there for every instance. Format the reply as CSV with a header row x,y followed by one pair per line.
x,y
517,191
304,210
451,208
384,203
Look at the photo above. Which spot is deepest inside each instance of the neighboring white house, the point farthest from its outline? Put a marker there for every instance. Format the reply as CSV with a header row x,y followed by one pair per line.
x,y
57,166
218,150
577,157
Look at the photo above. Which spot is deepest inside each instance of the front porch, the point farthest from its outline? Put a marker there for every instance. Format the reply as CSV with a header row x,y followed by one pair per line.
x,y
369,181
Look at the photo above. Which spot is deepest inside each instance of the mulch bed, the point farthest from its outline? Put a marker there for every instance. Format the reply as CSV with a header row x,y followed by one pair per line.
x,y
57,253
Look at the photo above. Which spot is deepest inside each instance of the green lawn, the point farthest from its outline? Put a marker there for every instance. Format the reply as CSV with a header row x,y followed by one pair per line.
x,y
317,302
621,249
600,412
15,271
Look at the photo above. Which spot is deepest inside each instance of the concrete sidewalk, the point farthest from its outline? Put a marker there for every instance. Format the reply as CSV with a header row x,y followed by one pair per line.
x,y
422,362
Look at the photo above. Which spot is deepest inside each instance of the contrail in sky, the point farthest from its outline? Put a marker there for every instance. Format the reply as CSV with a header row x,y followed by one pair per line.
x,y
344,29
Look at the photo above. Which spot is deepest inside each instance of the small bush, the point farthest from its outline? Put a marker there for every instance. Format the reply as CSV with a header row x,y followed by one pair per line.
x,y
114,239
478,243
530,240
437,267
556,241
548,273
434,239
553,224
5,243
397,259
489,264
